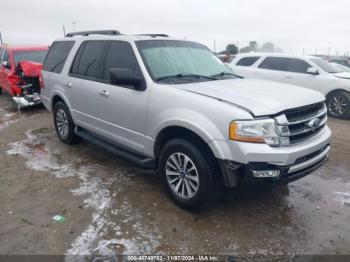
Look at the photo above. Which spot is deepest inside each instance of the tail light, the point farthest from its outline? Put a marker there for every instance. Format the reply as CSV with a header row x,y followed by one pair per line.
x,y
41,81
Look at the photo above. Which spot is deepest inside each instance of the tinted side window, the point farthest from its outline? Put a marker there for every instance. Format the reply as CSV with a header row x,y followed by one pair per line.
x,y
297,66
275,63
1,53
7,58
57,56
120,55
89,60
247,61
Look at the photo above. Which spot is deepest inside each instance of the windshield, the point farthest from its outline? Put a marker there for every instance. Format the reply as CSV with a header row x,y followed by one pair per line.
x,y
181,61
326,66
343,68
37,56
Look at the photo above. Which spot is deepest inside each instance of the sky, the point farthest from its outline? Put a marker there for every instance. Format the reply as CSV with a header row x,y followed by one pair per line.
x,y
296,26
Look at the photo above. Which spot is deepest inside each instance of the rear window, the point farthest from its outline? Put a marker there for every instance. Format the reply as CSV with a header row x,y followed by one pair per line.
x,y
37,56
275,63
89,60
248,61
57,56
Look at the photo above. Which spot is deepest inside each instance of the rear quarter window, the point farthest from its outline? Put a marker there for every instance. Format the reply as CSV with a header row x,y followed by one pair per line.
x,y
57,56
247,61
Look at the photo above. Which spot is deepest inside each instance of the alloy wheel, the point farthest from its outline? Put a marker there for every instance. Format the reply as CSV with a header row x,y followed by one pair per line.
x,y
182,175
62,123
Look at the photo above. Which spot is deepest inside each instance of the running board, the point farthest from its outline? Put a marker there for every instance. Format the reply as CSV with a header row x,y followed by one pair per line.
x,y
140,160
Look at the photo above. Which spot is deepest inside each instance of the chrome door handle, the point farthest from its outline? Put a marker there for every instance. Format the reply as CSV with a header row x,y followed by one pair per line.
x,y
68,84
104,93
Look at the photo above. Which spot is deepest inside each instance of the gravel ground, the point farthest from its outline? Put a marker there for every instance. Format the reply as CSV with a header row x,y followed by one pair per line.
x,y
113,207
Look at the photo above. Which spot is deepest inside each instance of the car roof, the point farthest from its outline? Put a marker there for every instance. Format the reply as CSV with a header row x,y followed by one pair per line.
x,y
129,38
25,47
241,55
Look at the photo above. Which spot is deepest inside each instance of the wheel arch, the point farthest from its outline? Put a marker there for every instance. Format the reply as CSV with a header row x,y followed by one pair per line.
x,y
336,90
58,97
180,132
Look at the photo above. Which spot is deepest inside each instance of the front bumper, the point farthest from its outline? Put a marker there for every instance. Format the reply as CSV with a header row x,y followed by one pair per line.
x,y
27,100
234,172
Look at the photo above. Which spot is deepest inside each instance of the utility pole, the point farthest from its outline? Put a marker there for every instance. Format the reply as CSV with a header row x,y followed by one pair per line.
x,y
73,24
64,31
214,45
0,38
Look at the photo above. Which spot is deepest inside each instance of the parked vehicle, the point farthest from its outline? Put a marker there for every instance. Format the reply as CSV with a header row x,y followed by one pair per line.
x,y
172,105
341,67
306,71
344,62
20,72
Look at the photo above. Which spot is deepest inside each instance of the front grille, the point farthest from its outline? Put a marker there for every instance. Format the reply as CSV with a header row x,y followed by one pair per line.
x,y
303,123
294,115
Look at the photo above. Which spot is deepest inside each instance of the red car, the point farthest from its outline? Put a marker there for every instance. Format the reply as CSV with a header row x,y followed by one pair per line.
x,y
20,72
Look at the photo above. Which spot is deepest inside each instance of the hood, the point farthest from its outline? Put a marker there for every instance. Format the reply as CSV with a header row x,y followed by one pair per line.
x,y
30,69
260,97
344,75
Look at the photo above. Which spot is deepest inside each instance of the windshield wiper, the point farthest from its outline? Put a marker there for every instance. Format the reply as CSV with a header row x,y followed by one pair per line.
x,y
179,76
225,73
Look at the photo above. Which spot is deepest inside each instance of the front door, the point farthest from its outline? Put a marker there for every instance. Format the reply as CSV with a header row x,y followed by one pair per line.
x,y
115,112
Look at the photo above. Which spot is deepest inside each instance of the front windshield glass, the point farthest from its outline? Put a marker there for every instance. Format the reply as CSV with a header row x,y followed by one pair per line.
x,y
166,60
37,56
326,66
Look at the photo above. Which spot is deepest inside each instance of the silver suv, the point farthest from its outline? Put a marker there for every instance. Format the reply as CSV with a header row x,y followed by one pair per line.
x,y
172,105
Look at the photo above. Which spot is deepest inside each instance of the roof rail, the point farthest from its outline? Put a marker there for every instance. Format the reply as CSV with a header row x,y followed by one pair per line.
x,y
154,35
97,32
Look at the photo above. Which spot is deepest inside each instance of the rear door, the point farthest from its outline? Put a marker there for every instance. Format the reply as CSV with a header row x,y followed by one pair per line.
x,y
273,68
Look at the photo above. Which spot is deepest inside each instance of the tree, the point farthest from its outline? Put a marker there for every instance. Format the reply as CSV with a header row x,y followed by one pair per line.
x,y
231,49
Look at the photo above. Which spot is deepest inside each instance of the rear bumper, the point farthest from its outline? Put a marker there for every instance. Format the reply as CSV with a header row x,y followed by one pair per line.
x,y
27,100
234,173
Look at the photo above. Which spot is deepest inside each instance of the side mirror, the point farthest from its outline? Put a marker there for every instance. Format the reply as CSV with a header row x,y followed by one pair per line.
x,y
312,71
125,76
5,64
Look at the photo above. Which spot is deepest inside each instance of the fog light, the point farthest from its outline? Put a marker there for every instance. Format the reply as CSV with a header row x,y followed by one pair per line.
x,y
266,173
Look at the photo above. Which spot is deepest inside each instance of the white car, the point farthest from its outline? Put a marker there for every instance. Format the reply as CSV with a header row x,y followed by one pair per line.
x,y
306,71
341,67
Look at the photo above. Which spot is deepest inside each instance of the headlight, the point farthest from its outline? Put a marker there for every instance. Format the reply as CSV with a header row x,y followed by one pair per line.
x,y
255,131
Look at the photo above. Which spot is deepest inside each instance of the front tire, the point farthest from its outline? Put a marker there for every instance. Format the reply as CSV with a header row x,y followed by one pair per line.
x,y
188,174
64,124
338,104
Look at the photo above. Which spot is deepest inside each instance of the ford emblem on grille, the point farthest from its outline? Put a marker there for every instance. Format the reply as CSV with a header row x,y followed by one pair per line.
x,y
314,123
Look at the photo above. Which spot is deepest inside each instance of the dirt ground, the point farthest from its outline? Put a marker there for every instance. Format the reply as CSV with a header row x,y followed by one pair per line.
x,y
113,207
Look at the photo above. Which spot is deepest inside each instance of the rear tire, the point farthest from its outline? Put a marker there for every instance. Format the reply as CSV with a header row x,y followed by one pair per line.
x,y
338,104
188,174
64,124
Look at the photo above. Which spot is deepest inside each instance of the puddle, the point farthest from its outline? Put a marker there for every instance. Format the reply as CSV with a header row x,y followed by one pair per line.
x,y
7,118
131,214
103,236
